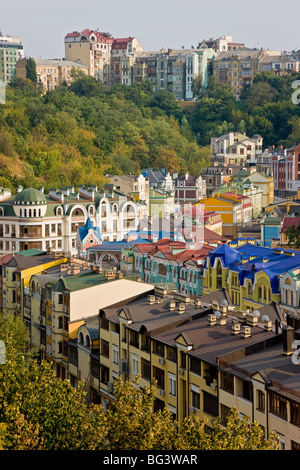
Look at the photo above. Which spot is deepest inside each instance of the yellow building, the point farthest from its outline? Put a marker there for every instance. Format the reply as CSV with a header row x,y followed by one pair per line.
x,y
266,183
16,271
237,68
53,73
230,208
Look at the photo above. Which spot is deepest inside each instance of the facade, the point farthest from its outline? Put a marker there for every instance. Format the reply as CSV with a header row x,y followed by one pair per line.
x,y
286,171
52,73
231,210
136,186
123,47
167,261
92,49
238,68
236,148
61,299
221,44
11,51
217,175
189,189
250,273
279,65
162,203
204,358
33,219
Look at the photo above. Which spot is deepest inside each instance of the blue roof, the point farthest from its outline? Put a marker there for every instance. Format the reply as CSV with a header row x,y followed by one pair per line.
x,y
83,231
276,264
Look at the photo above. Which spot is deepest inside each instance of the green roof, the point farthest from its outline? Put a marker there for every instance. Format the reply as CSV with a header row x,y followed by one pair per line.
x,y
31,252
82,281
30,195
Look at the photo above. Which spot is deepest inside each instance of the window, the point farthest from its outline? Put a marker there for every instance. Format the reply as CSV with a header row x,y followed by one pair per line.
x,y
104,375
183,360
195,366
115,354
159,376
158,348
210,404
104,348
196,397
260,400
104,323
145,369
135,364
227,382
278,405
247,390
295,413
171,354
172,384
224,413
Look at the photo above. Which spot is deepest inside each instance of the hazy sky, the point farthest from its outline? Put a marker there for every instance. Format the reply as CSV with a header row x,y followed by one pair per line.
x,y
42,26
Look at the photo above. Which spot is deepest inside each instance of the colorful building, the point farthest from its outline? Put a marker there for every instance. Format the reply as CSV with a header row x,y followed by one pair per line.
x,y
250,273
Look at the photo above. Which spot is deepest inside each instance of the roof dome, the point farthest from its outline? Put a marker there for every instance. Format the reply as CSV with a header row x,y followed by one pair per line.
x,y
30,196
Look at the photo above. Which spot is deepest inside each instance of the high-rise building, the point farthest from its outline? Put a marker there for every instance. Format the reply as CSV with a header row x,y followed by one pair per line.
x,y
11,50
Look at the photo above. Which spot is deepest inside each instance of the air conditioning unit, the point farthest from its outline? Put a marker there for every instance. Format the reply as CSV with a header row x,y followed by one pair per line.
x,y
192,409
162,393
161,360
213,386
122,366
181,371
110,387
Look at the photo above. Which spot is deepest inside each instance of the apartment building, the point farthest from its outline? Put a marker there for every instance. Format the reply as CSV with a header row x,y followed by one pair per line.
x,y
189,188
236,148
221,44
190,349
238,68
252,274
15,273
33,219
57,306
264,385
123,47
11,51
229,207
279,65
91,48
136,186
286,171
52,73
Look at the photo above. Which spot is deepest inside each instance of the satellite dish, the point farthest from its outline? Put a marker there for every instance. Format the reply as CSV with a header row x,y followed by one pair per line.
x,y
265,318
224,302
257,313
218,314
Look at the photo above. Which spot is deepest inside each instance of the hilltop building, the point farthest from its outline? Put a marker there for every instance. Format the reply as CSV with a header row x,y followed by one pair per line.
x,y
11,51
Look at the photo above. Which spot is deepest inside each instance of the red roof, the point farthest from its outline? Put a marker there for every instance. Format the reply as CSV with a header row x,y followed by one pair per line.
x,y
101,37
288,222
121,43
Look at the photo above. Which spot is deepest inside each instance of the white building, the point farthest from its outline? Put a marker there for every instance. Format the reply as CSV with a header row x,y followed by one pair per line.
x,y
32,219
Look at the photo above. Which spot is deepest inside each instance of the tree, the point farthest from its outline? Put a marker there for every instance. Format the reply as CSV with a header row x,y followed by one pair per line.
x,y
293,236
31,70
197,85
39,411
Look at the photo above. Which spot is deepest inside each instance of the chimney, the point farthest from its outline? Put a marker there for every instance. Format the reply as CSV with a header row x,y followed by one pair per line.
x,y
212,319
268,325
198,303
181,307
151,299
235,327
288,338
246,331
252,319
172,305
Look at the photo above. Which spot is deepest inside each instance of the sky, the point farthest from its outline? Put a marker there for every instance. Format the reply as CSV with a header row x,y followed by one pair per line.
x,y
42,26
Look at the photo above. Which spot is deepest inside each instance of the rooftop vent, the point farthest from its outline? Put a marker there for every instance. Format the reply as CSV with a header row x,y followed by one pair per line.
x,y
268,325
181,307
172,305
235,327
151,299
212,319
246,331
252,319
198,303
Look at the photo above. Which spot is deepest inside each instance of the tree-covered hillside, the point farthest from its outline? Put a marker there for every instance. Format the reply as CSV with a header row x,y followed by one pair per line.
x,y
76,134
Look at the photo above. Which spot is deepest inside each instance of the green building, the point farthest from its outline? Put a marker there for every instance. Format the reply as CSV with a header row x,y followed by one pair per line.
x,y
11,50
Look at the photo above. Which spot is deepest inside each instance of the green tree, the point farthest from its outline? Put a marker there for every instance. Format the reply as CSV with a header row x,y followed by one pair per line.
x,y
293,236
31,70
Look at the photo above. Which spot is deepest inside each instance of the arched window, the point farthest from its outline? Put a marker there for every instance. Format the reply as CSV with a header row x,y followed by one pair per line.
x,y
29,212
59,211
59,347
1,211
34,212
80,338
162,269
77,212
87,341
